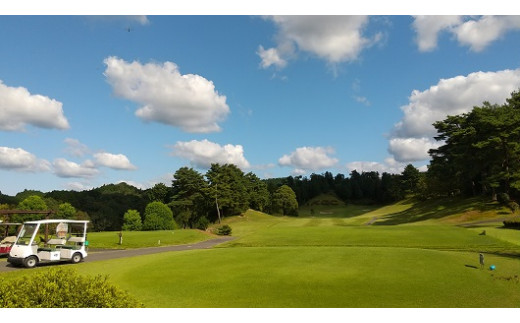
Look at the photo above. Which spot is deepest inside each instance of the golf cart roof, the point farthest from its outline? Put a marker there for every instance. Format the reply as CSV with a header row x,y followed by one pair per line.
x,y
56,221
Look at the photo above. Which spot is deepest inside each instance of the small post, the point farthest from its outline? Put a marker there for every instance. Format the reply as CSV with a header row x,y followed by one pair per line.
x,y
481,259
120,237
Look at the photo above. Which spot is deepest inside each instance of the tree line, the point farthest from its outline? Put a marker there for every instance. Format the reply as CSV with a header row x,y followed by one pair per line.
x,y
480,154
195,200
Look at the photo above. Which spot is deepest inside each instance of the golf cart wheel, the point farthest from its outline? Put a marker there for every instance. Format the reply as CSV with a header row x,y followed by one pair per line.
x,y
30,262
76,258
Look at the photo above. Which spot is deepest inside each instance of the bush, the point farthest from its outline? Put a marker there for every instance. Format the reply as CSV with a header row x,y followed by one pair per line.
x,y
202,223
224,230
64,288
503,198
513,206
158,216
132,221
512,224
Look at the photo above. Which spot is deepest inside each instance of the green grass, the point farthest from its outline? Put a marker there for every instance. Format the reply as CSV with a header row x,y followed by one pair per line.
x,y
313,277
501,233
453,210
331,260
142,239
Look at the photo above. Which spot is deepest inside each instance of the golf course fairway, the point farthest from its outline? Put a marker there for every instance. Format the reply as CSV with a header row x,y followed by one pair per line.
x,y
279,262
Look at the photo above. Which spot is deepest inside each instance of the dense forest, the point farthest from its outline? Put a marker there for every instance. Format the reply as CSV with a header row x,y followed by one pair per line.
x,y
479,155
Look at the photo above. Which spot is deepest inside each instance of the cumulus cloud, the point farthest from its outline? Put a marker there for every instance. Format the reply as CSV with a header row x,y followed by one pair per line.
x,y
187,101
428,28
412,137
475,32
270,57
75,148
65,168
454,96
335,39
21,160
309,158
165,179
479,33
78,186
390,165
204,153
18,108
411,149
114,161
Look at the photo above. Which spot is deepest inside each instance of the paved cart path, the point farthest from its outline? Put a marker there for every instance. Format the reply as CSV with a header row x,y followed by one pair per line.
x,y
106,254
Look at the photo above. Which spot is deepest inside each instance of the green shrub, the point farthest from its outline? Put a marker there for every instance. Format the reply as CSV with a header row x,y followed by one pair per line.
x,y
224,230
513,206
158,216
132,221
64,288
503,198
512,224
202,223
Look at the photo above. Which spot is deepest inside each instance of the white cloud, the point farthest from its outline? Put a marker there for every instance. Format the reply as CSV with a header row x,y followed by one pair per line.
x,y
203,153
390,165
335,39
479,33
452,96
309,158
75,148
114,161
65,168
19,108
411,149
475,32
78,186
428,28
270,57
187,101
20,160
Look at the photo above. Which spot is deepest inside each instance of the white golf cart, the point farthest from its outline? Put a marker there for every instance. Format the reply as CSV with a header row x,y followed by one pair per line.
x,y
8,233
62,240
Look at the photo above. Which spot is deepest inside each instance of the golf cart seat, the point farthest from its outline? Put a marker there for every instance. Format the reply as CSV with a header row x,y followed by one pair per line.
x,y
56,242
8,240
76,239
73,243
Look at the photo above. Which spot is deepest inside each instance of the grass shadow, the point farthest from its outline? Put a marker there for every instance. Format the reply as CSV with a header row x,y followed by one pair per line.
x,y
437,209
335,211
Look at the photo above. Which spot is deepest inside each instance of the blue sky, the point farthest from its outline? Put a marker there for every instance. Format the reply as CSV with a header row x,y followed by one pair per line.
x,y
90,100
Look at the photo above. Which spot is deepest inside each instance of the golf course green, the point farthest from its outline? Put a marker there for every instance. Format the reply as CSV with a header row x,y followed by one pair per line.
x,y
327,260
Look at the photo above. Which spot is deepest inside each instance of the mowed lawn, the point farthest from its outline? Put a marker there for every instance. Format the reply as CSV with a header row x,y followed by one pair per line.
x,y
326,262
314,277
142,239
